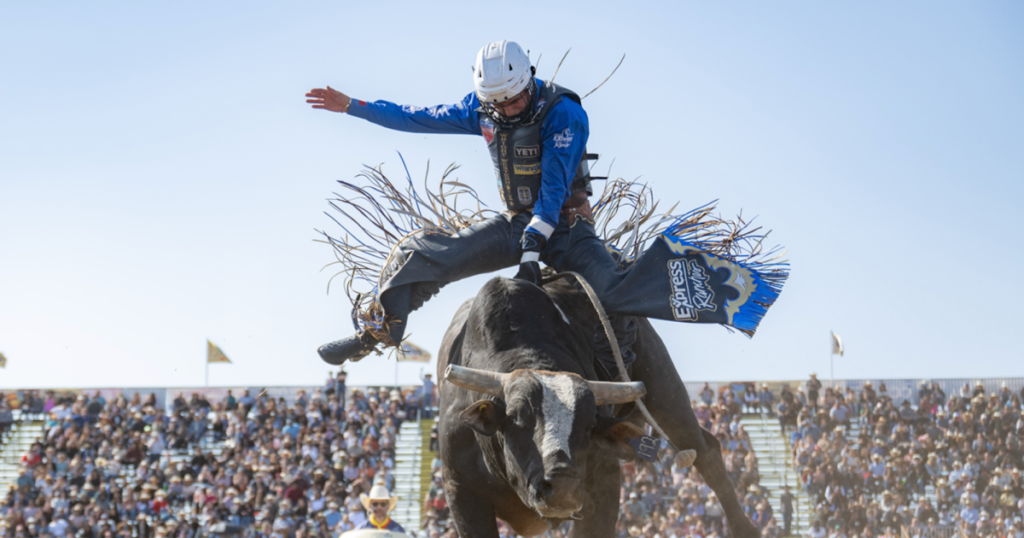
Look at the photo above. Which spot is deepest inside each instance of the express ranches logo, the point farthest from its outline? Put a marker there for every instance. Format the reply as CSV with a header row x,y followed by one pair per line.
x,y
690,290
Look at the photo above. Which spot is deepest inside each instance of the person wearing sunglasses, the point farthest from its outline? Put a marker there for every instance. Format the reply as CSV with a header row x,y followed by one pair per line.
x,y
536,133
378,503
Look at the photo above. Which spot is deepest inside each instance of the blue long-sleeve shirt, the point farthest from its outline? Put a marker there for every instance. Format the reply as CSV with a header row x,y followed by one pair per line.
x,y
565,132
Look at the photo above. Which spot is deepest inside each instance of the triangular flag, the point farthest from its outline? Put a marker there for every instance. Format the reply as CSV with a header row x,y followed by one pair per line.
x,y
837,345
3,361
412,353
214,354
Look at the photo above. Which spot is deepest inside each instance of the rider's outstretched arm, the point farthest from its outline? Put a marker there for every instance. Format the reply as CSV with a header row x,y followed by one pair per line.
x,y
458,118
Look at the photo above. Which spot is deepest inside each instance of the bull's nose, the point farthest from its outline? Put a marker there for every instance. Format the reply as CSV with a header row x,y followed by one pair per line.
x,y
561,491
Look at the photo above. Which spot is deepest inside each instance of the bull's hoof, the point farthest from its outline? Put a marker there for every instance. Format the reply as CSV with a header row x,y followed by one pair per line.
x,y
353,348
685,458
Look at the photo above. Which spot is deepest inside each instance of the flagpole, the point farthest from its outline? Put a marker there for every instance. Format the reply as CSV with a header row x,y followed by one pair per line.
x,y
832,359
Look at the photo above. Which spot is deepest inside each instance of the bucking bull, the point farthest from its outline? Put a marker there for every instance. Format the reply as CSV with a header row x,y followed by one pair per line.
x,y
528,435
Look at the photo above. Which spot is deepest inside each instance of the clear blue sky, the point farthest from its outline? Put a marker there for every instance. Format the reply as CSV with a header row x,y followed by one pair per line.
x,y
161,176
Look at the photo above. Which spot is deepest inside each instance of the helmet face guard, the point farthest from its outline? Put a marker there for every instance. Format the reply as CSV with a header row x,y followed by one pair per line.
x,y
524,117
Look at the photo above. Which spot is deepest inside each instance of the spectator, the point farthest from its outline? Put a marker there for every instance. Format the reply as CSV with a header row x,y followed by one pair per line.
x,y
707,395
230,403
766,399
786,504
427,392
813,387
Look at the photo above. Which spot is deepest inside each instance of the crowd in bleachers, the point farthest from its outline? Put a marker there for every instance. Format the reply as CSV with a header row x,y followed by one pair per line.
x,y
125,468
664,500
873,466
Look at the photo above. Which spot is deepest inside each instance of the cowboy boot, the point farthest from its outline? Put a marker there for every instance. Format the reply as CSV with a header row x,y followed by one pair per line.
x,y
353,348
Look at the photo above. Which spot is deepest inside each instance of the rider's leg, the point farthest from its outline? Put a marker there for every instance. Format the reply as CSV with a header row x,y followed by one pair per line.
x,y
421,265
574,246
640,287
624,329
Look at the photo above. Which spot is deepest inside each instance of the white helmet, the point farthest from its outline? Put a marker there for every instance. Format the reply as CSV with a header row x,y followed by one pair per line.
x,y
502,72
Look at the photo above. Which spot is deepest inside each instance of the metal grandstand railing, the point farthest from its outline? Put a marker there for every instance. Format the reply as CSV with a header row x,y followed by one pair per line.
x,y
897,389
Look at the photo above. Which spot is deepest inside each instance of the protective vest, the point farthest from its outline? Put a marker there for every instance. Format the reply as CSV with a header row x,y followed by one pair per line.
x,y
516,153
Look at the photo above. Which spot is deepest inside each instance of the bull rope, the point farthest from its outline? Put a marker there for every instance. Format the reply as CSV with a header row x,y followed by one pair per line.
x,y
610,333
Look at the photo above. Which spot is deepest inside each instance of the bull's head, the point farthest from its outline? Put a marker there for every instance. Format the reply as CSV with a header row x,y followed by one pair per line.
x,y
547,421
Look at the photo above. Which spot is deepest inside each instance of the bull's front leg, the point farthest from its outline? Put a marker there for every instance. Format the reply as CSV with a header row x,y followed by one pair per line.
x,y
473,514
601,511
669,404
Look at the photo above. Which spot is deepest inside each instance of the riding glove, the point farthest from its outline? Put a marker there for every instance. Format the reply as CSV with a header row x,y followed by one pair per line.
x,y
532,244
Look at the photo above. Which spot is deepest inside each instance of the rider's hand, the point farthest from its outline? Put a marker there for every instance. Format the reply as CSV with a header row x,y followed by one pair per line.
x,y
532,244
529,271
329,99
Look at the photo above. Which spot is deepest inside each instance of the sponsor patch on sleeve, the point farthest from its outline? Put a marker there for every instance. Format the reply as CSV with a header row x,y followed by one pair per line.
x,y
564,138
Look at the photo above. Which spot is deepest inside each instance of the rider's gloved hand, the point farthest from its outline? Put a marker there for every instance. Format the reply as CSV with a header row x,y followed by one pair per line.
x,y
529,271
532,244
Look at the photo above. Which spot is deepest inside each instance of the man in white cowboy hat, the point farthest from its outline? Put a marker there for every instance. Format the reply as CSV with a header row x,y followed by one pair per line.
x,y
377,504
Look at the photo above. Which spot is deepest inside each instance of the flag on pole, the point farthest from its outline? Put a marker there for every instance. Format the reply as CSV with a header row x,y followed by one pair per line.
x,y
214,354
3,361
412,353
837,345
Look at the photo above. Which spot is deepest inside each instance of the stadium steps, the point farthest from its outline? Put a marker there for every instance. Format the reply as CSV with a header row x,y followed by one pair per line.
x,y
408,460
16,442
776,468
427,461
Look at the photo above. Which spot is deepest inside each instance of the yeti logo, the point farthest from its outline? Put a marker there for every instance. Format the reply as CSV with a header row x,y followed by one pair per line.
x,y
525,195
690,290
527,151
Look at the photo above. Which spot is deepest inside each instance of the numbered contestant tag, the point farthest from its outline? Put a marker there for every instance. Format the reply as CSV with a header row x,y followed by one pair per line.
x,y
646,447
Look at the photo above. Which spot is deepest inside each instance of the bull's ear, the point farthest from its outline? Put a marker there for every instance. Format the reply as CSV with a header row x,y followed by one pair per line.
x,y
484,416
613,435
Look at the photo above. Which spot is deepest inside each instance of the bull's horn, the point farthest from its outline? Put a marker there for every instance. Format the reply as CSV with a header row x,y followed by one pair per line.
x,y
616,393
476,380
